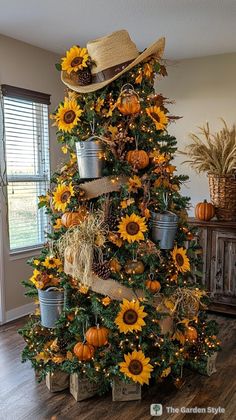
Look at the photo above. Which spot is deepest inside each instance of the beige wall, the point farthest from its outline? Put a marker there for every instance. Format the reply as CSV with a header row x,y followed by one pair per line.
x,y
204,90
25,66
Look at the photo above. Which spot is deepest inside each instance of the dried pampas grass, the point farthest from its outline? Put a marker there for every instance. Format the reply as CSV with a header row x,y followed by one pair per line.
x,y
215,153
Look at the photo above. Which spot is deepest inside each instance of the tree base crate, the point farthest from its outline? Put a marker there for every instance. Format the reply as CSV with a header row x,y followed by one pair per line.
x,y
211,364
82,388
57,381
125,392
209,367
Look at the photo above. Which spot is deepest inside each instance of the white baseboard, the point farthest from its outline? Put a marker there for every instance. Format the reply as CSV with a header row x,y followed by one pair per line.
x,y
19,312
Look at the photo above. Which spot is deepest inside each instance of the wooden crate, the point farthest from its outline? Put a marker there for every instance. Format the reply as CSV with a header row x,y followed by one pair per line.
x,y
211,364
125,392
82,388
57,381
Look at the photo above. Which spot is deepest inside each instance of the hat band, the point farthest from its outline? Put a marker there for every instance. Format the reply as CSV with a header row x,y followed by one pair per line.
x,y
109,73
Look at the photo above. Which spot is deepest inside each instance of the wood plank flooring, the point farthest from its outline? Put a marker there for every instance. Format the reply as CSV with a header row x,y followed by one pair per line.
x,y
22,398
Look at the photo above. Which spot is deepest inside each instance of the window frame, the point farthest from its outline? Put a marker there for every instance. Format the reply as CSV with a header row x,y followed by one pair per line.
x,y
12,92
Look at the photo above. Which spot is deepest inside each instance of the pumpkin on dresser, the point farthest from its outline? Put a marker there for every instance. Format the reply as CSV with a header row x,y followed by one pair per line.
x,y
84,351
204,211
97,336
74,218
139,159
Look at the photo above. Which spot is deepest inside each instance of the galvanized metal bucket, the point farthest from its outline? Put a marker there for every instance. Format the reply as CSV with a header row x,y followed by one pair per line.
x,y
163,229
90,158
51,303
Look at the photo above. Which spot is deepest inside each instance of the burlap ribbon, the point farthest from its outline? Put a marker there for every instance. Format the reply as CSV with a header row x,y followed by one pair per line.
x,y
105,185
117,291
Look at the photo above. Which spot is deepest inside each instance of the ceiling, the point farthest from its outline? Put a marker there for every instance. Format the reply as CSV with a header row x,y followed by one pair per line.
x,y
192,28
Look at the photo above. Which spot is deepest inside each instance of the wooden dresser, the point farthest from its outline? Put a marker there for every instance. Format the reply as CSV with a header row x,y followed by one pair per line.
x,y
218,241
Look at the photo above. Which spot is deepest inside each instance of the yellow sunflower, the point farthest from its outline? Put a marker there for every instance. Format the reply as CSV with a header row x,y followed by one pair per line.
x,y
58,224
76,59
137,367
33,278
51,262
68,115
62,196
158,116
130,317
180,259
132,227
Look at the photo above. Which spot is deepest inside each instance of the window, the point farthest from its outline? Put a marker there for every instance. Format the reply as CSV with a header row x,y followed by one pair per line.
x,y
26,134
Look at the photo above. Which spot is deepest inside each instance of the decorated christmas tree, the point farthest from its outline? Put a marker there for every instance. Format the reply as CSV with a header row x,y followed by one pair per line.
x,y
118,277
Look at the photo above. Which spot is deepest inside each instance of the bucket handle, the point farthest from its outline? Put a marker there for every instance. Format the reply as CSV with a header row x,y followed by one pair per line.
x,y
82,145
52,288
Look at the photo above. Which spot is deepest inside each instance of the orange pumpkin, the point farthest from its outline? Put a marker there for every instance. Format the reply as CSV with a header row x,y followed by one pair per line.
x,y
97,336
134,267
115,266
191,334
128,102
84,351
138,158
204,211
72,219
153,285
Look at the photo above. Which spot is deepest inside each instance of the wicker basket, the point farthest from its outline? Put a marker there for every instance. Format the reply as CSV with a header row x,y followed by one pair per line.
x,y
223,196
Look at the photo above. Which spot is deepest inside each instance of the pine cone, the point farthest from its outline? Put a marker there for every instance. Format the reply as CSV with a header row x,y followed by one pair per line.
x,y
62,344
84,77
111,222
102,270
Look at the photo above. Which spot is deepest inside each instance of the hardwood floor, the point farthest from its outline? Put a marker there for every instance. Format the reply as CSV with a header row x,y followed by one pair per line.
x,y
22,398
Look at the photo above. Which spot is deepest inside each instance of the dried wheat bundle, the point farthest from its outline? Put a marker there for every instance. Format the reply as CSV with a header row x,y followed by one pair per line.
x,y
185,302
81,242
215,153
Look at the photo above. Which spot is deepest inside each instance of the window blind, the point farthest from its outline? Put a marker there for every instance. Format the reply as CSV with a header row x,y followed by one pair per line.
x,y
27,164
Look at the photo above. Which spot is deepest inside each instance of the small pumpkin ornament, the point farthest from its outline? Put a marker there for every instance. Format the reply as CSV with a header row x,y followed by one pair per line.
x,y
204,211
74,218
128,102
191,334
139,159
153,285
115,265
97,336
84,351
134,267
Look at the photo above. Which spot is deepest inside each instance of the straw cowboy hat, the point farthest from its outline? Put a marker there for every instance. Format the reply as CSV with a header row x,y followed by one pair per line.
x,y
113,55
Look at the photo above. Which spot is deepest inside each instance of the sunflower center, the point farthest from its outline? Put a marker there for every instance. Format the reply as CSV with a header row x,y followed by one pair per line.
x,y
179,259
76,61
69,116
155,116
132,228
65,196
135,367
51,261
130,317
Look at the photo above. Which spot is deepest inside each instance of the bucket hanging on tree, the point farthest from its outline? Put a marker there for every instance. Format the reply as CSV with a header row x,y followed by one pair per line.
x,y
90,158
51,303
163,229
